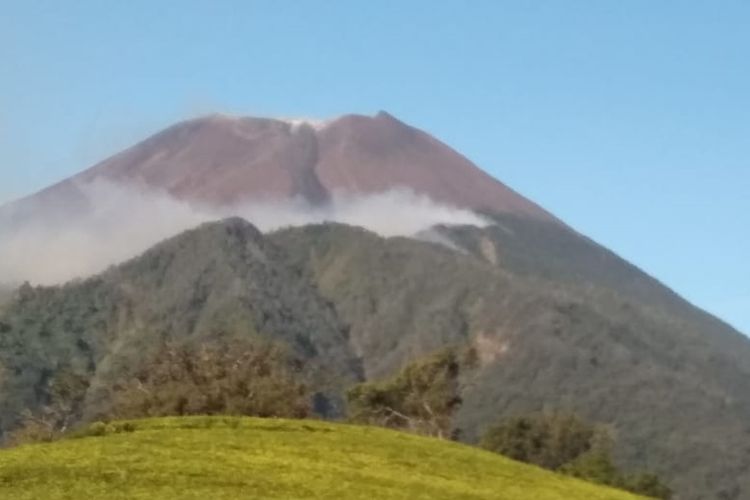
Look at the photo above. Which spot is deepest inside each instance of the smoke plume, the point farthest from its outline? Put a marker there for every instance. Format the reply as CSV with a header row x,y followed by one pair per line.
x,y
121,222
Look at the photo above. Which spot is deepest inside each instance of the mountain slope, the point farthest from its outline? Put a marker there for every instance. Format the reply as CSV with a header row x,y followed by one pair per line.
x,y
218,281
360,306
197,458
675,395
359,154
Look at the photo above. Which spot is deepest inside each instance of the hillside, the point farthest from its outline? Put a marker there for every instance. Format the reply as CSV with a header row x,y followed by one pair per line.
x,y
656,370
357,306
216,282
231,458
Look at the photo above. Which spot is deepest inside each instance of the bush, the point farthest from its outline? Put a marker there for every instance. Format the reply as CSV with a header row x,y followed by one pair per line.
x,y
65,393
595,466
567,444
547,440
103,429
35,428
647,484
99,429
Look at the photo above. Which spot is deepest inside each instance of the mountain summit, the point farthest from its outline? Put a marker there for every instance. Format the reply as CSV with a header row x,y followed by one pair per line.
x,y
221,161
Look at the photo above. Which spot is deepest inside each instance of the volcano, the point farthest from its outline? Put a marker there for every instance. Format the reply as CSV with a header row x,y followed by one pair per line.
x,y
222,161
557,320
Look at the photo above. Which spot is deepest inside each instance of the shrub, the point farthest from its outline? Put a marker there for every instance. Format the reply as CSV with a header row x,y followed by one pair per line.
x,y
647,484
549,440
65,394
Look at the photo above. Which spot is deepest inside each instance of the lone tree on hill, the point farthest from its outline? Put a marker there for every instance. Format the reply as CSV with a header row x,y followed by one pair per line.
x,y
422,398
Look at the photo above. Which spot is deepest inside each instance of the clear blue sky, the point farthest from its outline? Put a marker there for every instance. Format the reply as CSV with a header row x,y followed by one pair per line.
x,y
630,120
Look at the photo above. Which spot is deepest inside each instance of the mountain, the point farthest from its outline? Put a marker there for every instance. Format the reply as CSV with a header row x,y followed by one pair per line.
x,y
359,306
231,458
558,322
218,281
222,161
671,380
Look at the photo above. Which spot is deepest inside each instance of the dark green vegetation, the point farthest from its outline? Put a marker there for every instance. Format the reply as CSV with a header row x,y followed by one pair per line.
x,y
557,323
6,295
234,458
551,440
565,443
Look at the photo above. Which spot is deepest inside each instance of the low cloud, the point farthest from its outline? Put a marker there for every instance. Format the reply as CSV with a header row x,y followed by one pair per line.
x,y
121,222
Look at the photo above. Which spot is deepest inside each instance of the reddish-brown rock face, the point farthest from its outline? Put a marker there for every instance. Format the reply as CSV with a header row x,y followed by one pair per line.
x,y
221,161
364,155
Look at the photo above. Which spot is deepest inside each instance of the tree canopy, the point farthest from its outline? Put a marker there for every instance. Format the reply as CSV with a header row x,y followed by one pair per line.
x,y
422,398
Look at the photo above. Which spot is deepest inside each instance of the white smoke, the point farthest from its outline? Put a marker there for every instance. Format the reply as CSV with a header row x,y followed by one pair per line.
x,y
315,123
124,221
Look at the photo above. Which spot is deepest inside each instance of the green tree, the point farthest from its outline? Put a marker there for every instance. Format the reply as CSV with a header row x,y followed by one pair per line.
x,y
422,398
64,394
549,440
256,378
566,443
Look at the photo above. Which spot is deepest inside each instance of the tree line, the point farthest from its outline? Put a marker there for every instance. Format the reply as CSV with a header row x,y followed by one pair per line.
x,y
265,379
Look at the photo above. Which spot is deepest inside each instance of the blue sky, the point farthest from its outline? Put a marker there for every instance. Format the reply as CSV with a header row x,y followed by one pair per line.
x,y
630,120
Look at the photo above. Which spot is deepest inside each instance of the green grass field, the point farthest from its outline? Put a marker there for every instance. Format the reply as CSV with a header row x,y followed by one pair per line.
x,y
245,458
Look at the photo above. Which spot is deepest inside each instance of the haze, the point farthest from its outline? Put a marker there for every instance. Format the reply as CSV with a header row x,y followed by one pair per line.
x,y
124,221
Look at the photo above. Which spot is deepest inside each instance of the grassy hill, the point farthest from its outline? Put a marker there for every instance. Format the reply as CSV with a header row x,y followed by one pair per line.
x,y
228,458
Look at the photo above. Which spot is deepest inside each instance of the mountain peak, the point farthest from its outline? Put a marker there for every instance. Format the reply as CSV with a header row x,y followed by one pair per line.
x,y
386,116
224,160
229,236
